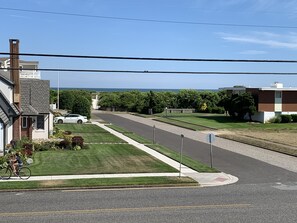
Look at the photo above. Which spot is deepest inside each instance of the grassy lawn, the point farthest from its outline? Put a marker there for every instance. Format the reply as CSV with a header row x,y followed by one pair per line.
x,y
100,138
187,161
98,159
279,137
131,135
91,133
198,121
105,182
167,152
81,128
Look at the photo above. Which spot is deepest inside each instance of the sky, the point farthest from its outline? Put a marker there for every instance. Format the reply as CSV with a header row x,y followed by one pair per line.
x,y
203,29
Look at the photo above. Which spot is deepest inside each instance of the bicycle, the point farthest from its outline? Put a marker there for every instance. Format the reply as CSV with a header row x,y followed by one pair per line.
x,y
23,172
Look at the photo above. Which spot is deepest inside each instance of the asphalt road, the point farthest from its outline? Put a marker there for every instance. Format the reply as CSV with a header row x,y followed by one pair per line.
x,y
248,170
233,203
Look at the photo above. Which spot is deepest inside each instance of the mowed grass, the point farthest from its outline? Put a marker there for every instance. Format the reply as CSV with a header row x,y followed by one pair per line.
x,y
131,135
198,121
81,128
187,161
99,183
98,159
91,133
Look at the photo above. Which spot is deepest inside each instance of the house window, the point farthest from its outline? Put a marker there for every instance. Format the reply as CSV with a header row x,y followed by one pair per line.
x,y
278,94
40,122
24,122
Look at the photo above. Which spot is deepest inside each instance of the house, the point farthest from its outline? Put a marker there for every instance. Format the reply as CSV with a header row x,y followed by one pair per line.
x,y
24,102
270,101
95,100
28,69
35,117
8,110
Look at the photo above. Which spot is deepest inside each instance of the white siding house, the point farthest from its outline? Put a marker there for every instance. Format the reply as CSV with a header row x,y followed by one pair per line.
x,y
7,110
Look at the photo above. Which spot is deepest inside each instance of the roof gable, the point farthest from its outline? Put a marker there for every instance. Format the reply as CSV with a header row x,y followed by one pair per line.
x,y
7,109
35,96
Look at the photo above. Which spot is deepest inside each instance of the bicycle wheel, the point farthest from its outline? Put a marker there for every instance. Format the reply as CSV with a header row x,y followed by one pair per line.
x,y
5,173
24,173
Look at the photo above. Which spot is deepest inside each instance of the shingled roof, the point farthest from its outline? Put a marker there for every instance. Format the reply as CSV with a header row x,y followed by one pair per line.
x,y
7,109
5,76
3,116
35,96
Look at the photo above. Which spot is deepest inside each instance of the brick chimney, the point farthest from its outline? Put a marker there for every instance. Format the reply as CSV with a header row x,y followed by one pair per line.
x,y
15,78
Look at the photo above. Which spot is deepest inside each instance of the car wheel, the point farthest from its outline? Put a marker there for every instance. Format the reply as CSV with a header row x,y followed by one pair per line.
x,y
60,121
79,122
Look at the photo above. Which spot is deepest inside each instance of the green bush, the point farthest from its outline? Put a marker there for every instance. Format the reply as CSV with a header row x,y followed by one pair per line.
x,y
286,118
218,110
276,119
58,133
3,159
294,117
44,146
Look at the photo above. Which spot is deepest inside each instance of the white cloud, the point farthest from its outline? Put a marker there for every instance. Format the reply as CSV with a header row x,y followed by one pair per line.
x,y
271,40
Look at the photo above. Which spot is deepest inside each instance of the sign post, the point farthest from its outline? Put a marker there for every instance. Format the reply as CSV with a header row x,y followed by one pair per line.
x,y
210,139
154,134
181,154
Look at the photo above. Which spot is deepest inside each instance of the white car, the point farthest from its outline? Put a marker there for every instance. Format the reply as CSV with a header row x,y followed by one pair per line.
x,y
71,118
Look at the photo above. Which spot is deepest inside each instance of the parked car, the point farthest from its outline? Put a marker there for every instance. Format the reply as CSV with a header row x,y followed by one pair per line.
x,y
71,118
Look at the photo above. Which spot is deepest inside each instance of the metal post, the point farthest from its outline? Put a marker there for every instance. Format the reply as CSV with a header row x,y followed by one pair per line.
x,y
181,154
210,139
211,159
154,134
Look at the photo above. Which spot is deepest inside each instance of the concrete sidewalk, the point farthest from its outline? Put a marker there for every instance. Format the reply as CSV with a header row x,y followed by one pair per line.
x,y
204,179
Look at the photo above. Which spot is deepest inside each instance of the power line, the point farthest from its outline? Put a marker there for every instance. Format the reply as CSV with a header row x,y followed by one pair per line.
x,y
150,20
153,71
149,58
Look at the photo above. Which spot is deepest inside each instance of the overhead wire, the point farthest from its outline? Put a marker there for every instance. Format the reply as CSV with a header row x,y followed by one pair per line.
x,y
153,71
149,20
150,58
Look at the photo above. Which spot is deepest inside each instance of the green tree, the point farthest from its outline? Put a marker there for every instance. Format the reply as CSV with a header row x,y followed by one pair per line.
x,y
210,99
109,100
53,96
66,100
242,104
225,100
82,106
188,98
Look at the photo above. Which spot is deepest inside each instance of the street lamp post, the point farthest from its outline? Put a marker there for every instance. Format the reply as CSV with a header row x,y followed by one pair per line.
x,y
58,94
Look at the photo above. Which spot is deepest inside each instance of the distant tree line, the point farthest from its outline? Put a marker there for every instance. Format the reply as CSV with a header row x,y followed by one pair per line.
x,y
76,101
237,105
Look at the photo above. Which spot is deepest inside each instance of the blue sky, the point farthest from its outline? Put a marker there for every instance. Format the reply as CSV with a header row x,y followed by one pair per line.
x,y
61,34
